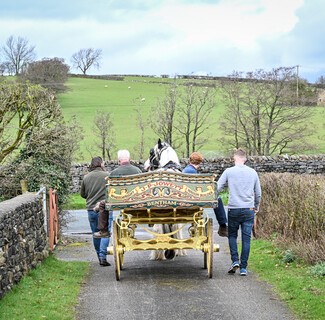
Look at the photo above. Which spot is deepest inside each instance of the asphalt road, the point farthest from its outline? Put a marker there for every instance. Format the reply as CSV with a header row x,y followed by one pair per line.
x,y
177,289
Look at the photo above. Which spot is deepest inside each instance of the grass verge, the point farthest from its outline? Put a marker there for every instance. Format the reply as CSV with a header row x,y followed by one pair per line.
x,y
293,282
75,202
48,292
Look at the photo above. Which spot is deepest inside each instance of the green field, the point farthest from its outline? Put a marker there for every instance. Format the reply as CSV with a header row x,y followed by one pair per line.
x,y
121,98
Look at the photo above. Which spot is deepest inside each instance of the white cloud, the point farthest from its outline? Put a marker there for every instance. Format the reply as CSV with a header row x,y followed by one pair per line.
x,y
171,36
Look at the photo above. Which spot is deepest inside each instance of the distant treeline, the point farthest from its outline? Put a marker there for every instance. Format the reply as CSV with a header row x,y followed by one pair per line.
x,y
120,77
164,76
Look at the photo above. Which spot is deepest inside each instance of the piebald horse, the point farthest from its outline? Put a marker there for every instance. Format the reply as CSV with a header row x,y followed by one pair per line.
x,y
164,157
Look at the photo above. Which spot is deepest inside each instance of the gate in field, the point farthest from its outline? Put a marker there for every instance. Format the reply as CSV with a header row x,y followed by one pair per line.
x,y
53,219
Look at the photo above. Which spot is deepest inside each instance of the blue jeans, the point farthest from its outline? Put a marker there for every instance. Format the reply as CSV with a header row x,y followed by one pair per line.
x,y
220,213
245,219
100,244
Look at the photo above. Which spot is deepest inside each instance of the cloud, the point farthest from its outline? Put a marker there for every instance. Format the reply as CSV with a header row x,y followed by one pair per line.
x,y
174,36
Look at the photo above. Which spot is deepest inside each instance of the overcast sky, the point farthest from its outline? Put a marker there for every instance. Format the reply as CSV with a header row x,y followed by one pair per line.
x,y
174,36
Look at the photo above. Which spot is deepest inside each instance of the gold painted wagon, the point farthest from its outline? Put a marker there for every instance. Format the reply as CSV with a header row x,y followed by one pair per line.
x,y
162,197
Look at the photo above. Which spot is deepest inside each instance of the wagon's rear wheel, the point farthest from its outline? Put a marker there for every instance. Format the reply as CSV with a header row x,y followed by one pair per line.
x,y
121,254
209,255
115,251
205,257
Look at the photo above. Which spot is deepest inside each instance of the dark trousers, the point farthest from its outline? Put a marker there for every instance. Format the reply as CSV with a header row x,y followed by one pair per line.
x,y
220,213
244,219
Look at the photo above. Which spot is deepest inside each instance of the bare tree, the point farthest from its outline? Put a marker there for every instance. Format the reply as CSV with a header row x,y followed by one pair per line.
x,y
50,73
24,108
86,58
320,82
264,114
2,68
194,116
18,53
103,129
8,68
162,115
183,116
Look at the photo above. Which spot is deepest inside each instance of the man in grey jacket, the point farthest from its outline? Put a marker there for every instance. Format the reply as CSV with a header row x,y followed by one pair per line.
x,y
93,190
244,199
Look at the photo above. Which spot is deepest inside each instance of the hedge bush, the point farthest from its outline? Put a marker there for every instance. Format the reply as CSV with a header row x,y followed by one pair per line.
x,y
292,211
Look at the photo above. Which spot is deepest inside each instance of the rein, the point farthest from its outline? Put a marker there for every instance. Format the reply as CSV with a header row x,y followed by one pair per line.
x,y
172,166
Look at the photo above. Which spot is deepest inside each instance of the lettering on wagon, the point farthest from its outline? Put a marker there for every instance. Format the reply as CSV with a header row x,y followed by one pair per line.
x,y
162,202
161,184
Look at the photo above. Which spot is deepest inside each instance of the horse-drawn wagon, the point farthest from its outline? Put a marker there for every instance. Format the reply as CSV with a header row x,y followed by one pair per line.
x,y
162,198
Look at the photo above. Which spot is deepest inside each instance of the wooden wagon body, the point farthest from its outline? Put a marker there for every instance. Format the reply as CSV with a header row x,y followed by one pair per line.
x,y
162,197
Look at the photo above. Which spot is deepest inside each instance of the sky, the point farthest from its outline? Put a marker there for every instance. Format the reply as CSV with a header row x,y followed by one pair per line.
x,y
174,37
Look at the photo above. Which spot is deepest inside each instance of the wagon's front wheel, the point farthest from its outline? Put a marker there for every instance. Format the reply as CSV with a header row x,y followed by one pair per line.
x,y
115,252
209,254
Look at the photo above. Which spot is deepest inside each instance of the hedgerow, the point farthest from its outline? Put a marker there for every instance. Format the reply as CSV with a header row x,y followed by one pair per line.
x,y
292,212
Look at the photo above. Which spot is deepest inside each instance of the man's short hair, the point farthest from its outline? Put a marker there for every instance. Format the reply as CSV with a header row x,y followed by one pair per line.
x,y
240,153
123,155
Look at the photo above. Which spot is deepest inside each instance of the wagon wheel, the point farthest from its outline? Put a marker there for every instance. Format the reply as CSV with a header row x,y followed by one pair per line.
x,y
205,255
209,254
121,255
115,251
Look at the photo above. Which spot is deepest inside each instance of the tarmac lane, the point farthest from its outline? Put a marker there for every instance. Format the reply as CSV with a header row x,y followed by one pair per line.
x,y
172,289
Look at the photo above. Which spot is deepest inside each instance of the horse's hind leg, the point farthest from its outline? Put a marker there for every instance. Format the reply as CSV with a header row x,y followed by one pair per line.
x,y
179,235
157,254
170,253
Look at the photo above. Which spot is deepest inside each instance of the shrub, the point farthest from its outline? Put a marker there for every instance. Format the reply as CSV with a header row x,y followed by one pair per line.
x,y
293,207
47,156
38,141
318,270
289,256
49,73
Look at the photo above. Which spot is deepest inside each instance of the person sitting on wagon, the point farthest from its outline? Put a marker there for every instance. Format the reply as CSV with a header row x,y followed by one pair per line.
x,y
192,168
125,168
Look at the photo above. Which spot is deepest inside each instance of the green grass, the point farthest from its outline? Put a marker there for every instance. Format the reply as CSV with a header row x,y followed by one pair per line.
x,y
294,283
75,202
48,292
85,96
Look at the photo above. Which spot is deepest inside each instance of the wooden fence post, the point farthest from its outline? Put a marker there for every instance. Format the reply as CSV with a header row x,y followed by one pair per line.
x,y
53,219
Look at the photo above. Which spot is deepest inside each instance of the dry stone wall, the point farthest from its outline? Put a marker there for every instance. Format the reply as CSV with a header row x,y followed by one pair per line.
x,y
23,241
304,164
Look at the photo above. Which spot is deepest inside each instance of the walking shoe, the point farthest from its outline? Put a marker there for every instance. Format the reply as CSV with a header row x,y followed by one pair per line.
x,y
104,262
243,272
234,266
223,231
101,234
